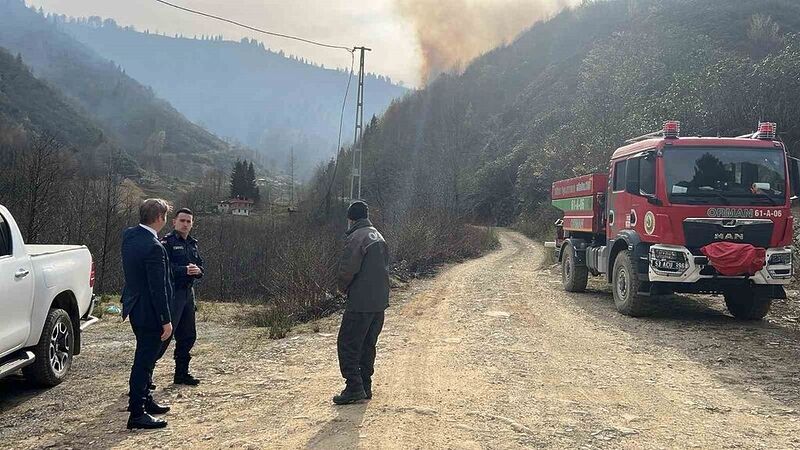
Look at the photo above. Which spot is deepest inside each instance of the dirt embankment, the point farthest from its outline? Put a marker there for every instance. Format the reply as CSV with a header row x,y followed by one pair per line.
x,y
489,354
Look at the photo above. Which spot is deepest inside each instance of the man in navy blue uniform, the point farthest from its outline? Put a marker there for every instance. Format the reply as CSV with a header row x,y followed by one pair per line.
x,y
187,266
146,299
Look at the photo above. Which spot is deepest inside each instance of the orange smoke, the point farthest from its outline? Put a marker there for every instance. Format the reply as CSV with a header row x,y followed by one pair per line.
x,y
453,32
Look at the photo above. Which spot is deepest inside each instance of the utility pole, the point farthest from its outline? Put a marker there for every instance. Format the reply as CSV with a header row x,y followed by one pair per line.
x,y
355,178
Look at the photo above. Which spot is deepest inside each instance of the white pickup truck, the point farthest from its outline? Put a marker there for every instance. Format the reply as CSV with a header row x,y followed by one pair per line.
x,y
46,300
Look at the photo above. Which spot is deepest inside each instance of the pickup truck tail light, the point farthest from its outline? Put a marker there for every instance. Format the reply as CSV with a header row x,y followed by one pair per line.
x,y
91,276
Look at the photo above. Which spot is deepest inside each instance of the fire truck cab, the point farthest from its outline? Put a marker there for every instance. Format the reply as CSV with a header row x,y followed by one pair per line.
x,y
650,225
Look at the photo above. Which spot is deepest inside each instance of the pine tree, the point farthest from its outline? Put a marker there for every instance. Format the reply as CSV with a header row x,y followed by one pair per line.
x,y
237,176
243,181
252,186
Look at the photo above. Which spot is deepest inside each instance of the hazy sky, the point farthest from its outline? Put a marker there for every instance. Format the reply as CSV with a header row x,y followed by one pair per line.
x,y
374,23
412,40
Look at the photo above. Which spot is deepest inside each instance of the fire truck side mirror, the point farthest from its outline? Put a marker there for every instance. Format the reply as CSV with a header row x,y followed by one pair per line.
x,y
794,176
653,200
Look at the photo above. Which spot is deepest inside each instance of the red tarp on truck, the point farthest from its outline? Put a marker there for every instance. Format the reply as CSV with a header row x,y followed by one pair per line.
x,y
732,259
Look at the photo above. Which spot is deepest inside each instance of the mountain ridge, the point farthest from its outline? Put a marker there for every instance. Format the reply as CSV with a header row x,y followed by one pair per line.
x,y
554,103
147,127
241,90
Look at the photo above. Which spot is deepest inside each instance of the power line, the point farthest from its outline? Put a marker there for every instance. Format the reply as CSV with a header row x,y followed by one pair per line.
x,y
308,41
258,30
341,124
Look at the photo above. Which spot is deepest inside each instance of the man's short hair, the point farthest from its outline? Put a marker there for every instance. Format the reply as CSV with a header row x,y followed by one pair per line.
x,y
184,211
152,209
358,210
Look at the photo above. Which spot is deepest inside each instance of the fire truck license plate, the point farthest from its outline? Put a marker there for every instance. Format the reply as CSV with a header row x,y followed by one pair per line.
x,y
663,264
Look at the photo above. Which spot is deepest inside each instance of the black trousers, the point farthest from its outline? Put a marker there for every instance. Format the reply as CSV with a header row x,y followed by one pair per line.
x,y
148,347
184,330
358,336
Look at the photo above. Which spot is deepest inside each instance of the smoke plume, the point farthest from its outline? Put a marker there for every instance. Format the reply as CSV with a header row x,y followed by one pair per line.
x,y
453,32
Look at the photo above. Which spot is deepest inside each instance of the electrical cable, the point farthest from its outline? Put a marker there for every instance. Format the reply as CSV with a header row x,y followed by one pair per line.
x,y
238,24
341,124
296,38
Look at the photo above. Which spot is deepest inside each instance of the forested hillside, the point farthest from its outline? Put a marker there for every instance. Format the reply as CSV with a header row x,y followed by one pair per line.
x,y
30,106
487,144
130,114
240,90
26,101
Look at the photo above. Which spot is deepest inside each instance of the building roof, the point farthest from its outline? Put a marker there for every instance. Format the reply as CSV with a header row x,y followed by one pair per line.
x,y
238,201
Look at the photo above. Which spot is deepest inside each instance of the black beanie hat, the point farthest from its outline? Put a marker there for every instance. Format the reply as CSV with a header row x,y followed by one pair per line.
x,y
357,211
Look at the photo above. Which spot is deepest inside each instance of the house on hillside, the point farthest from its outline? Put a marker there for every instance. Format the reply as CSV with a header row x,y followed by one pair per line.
x,y
236,206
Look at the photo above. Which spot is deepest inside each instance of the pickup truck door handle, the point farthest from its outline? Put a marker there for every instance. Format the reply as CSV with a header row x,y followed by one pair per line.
x,y
21,273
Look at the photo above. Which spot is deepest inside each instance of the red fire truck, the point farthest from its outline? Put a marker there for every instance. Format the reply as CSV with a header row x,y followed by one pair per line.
x,y
705,215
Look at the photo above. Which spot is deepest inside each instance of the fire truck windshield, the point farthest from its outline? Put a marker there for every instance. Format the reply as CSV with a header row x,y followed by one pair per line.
x,y
725,176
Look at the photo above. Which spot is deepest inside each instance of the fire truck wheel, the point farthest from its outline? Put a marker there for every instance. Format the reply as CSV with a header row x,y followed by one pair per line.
x,y
745,304
625,286
574,277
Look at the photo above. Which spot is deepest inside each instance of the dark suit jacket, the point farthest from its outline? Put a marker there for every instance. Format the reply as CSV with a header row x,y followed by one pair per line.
x,y
148,279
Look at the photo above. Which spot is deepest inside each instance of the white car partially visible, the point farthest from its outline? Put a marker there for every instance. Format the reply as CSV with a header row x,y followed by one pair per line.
x,y
46,300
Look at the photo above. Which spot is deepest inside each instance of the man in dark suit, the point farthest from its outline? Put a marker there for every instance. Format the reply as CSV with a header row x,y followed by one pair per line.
x,y
146,299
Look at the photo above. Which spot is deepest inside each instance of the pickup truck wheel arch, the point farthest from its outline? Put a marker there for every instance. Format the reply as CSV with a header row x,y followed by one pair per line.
x,y
66,301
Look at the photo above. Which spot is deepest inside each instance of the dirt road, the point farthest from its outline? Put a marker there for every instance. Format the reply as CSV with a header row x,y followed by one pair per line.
x,y
489,354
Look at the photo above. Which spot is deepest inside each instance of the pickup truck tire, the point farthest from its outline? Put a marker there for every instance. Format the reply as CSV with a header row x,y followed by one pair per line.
x,y
745,304
54,351
625,286
573,277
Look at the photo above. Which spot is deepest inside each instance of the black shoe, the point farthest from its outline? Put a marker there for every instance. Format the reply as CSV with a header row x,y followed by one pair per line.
x,y
186,379
151,407
146,422
348,397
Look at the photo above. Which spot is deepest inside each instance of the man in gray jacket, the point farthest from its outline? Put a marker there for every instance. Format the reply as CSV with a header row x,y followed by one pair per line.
x,y
364,278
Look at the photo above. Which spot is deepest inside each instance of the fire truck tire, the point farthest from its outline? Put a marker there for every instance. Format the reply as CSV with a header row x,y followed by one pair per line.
x,y
574,277
745,304
625,286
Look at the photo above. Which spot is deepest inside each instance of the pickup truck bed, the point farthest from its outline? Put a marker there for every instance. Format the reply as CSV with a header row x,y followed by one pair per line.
x,y
35,250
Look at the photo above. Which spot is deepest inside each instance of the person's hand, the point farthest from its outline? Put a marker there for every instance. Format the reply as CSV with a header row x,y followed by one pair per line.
x,y
192,270
167,332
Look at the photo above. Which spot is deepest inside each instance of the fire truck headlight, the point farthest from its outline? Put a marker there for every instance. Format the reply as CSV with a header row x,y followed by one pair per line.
x,y
780,259
667,261
779,265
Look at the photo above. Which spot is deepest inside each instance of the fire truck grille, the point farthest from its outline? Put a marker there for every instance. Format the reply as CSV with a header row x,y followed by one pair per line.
x,y
701,232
